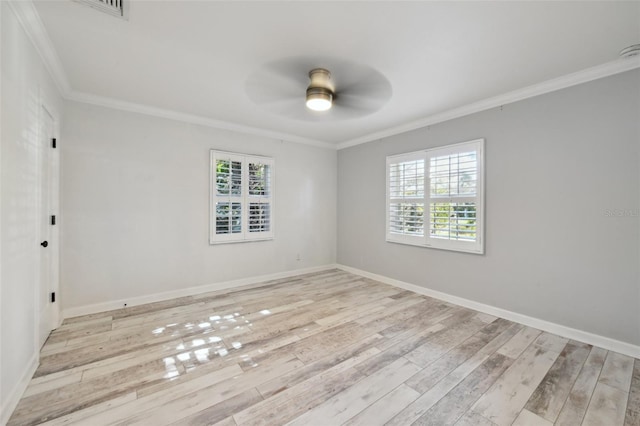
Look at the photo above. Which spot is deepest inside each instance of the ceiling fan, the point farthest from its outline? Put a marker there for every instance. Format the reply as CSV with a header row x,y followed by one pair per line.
x,y
318,89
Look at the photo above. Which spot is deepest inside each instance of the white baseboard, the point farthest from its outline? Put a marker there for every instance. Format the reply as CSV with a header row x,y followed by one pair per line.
x,y
190,291
561,330
15,394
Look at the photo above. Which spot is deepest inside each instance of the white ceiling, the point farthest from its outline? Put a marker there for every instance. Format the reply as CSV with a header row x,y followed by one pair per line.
x,y
196,57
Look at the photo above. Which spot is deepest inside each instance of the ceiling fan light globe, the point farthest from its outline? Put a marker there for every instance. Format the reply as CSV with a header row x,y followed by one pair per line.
x,y
318,104
319,99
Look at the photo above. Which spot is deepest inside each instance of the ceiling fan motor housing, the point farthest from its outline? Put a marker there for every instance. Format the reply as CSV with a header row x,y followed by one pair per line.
x,y
320,92
320,78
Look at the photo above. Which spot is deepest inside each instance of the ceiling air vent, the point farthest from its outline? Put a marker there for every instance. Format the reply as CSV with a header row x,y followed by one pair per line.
x,y
112,7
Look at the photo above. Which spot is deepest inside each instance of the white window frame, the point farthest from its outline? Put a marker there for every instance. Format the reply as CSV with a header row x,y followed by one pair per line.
x,y
244,199
426,240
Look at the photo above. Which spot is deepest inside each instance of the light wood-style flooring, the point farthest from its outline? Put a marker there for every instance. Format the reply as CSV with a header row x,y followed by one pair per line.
x,y
329,348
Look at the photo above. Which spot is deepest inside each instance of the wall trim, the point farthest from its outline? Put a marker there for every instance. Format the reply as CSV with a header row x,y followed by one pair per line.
x,y
584,76
190,291
30,20
551,327
16,393
117,104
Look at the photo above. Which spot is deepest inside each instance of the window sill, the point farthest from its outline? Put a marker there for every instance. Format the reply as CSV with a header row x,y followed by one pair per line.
x,y
253,240
479,251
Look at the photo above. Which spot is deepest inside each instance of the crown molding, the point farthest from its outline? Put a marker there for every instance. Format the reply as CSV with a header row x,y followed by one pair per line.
x,y
191,118
30,20
584,76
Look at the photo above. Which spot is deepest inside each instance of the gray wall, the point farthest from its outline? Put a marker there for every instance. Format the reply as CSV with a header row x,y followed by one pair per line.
x,y
135,207
556,166
26,86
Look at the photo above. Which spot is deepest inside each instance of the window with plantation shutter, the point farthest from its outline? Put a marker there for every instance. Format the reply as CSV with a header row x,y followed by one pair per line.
x,y
406,197
435,198
241,197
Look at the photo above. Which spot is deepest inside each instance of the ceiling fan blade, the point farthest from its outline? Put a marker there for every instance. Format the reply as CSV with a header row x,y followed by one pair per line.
x,y
366,84
284,106
269,86
280,86
294,69
362,104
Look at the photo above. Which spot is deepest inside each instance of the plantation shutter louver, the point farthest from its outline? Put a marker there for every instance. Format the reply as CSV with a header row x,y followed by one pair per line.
x,y
242,197
406,197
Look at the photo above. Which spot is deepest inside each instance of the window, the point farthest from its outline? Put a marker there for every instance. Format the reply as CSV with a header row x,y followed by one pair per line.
x,y
435,198
241,197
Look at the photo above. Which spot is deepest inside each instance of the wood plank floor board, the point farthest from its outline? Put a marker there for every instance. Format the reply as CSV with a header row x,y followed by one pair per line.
x,y
83,356
472,418
88,317
633,404
356,312
505,399
79,417
341,407
410,333
226,422
388,356
551,342
88,330
617,371
306,399
550,395
607,406
434,314
65,327
143,403
318,346
196,369
428,377
325,348
191,403
577,402
275,400
385,408
449,410
632,418
74,396
115,363
430,397
443,341
74,344
520,342
37,388
349,353
222,410
403,316
401,310
527,418
209,317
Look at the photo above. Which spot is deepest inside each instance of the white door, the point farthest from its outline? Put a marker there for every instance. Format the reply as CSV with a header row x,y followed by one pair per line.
x,y
47,245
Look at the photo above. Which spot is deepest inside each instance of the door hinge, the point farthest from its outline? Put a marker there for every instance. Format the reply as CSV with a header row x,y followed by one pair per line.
x,y
53,219
53,143
53,297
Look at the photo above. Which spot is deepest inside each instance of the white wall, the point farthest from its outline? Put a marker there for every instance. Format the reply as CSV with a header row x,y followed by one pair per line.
x,y
135,207
555,165
25,86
